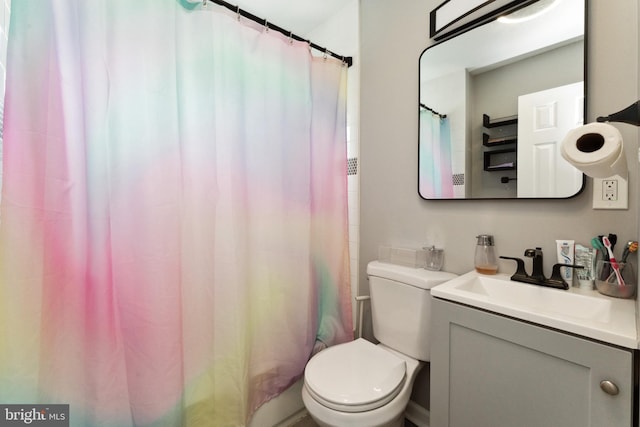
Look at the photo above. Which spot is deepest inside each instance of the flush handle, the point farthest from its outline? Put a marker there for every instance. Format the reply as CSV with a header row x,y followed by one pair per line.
x,y
609,387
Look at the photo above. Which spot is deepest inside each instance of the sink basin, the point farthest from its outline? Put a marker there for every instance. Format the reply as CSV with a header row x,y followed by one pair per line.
x,y
579,311
537,298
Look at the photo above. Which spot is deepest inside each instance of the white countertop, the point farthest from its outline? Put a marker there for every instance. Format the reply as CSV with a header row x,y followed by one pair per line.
x,y
583,312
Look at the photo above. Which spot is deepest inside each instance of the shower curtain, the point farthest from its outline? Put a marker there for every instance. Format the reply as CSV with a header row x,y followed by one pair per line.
x,y
434,157
173,236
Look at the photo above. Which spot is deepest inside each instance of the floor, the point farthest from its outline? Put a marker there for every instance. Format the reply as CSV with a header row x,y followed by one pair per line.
x,y
304,422
308,422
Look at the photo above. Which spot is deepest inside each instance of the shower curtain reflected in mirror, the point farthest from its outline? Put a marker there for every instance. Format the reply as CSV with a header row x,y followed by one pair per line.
x,y
174,222
435,178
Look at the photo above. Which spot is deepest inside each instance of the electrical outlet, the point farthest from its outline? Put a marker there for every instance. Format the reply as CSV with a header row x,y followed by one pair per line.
x,y
610,190
610,193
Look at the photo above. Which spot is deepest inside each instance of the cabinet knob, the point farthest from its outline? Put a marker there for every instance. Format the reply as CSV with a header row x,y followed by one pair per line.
x,y
609,387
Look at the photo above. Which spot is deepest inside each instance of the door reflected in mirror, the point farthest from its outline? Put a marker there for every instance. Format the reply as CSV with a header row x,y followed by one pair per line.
x,y
496,102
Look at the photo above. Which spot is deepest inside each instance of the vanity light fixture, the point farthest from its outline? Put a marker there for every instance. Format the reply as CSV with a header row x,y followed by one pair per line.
x,y
527,13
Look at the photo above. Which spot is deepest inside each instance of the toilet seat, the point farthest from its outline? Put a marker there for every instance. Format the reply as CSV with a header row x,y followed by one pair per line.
x,y
355,377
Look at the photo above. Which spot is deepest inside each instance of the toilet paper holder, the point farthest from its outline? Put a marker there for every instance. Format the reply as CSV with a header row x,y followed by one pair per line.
x,y
597,150
581,145
630,115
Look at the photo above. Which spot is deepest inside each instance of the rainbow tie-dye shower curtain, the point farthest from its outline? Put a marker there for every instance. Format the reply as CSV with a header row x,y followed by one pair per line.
x,y
173,235
434,156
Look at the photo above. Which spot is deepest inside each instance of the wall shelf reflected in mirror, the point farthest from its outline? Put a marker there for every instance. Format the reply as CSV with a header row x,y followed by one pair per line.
x,y
489,141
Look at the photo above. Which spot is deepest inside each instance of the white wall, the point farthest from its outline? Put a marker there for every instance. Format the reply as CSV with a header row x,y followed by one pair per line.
x,y
392,38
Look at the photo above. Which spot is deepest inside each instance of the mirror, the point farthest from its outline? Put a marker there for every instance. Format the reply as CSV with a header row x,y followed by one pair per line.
x,y
496,102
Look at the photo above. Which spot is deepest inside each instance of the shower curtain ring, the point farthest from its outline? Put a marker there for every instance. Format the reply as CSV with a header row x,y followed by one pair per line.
x,y
238,15
290,37
326,53
266,26
204,3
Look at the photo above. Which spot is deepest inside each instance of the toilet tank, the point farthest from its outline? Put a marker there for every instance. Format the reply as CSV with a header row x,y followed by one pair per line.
x,y
401,306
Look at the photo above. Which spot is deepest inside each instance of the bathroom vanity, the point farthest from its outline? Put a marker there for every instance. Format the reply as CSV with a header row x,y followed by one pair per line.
x,y
497,360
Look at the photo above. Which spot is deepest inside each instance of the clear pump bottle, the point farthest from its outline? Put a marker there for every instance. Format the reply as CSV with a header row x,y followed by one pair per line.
x,y
486,261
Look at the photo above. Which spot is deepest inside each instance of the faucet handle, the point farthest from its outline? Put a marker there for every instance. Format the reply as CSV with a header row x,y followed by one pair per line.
x,y
530,253
521,272
556,278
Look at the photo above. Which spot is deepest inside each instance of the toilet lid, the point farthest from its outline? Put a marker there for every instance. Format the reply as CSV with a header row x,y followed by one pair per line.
x,y
355,377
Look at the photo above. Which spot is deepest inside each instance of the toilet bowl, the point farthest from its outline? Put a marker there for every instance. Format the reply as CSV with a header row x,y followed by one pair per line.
x,y
359,384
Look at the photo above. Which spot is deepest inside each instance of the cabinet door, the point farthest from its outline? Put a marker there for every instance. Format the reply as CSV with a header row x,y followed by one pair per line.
x,y
491,370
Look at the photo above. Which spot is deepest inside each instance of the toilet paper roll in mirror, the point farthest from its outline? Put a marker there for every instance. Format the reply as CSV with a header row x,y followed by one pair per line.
x,y
596,149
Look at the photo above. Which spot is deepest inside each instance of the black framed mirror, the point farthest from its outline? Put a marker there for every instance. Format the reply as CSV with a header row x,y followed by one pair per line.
x,y
495,102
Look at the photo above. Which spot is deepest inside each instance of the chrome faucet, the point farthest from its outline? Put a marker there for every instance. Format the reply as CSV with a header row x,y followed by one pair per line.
x,y
537,275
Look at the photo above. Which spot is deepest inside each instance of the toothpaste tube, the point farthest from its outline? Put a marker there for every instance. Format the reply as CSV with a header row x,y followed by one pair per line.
x,y
585,257
566,252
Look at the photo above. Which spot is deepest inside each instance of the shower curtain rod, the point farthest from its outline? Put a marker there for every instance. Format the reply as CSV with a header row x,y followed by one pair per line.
x,y
442,116
241,12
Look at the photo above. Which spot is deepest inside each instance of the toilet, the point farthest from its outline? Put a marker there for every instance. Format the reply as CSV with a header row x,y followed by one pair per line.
x,y
361,384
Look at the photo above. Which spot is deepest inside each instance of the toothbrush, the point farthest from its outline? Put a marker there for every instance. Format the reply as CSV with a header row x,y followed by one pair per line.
x,y
631,247
597,244
612,260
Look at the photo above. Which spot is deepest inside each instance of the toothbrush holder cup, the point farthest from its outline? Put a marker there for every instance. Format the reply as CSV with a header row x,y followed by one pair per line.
x,y
607,282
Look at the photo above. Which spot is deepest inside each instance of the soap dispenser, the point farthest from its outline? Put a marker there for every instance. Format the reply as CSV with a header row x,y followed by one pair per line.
x,y
486,261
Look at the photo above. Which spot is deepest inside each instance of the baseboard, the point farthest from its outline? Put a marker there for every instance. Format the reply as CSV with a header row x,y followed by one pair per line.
x,y
293,419
417,414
